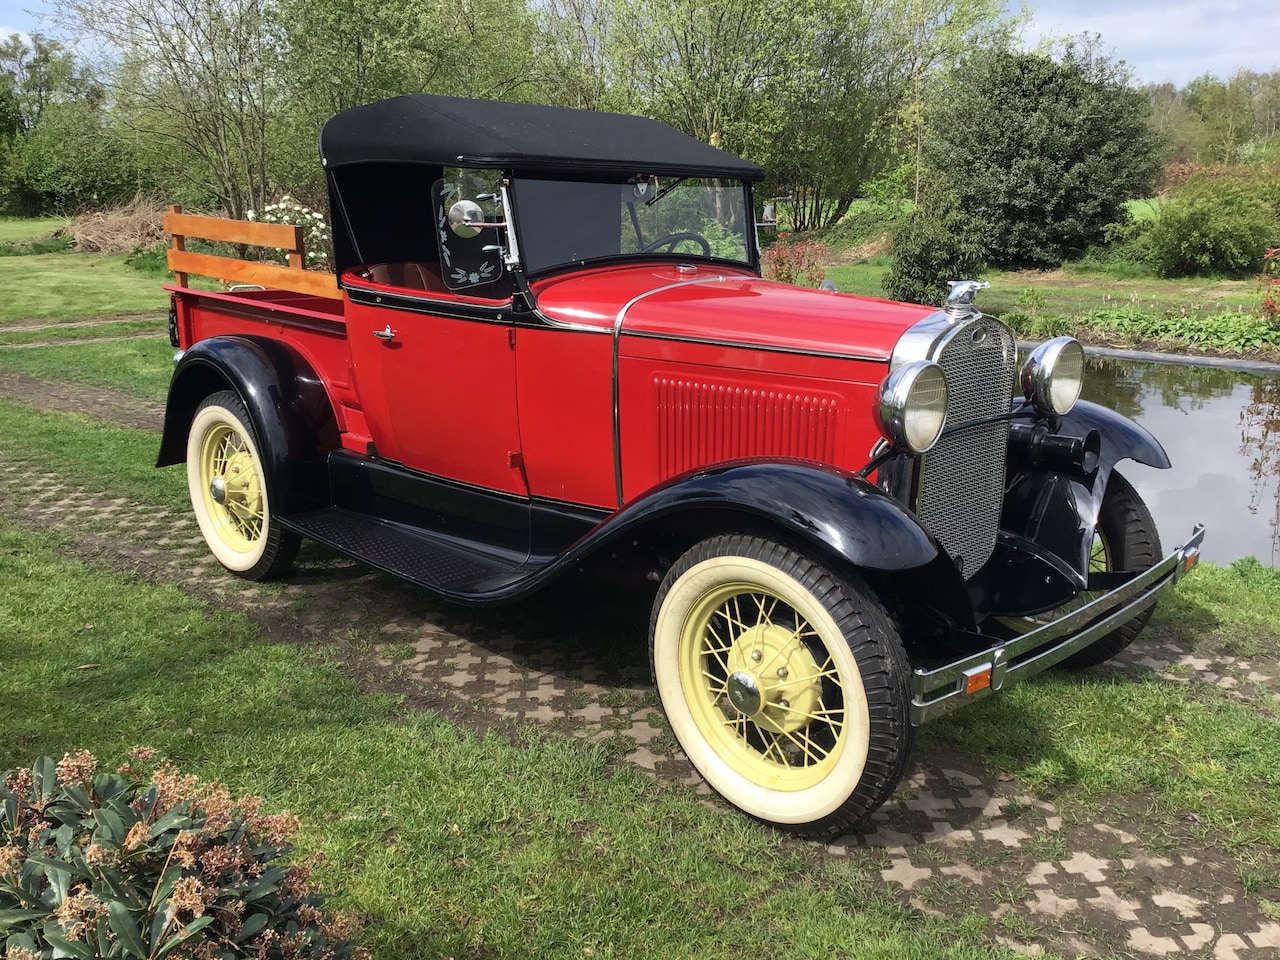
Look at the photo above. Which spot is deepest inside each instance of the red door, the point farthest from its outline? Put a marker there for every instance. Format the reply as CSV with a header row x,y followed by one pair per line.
x,y
439,391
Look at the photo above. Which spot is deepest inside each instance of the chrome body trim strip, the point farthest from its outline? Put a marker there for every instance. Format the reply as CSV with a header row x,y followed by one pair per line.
x,y
939,690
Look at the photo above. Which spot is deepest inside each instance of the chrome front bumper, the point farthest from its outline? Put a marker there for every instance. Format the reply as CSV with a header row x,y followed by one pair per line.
x,y
939,690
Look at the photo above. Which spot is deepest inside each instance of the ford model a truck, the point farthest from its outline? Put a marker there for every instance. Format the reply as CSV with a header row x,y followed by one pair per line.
x,y
548,340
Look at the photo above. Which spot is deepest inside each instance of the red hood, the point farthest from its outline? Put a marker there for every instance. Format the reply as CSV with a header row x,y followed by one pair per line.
x,y
727,306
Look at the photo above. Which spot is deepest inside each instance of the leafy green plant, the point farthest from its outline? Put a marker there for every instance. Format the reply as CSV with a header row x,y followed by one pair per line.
x,y
1216,225
794,261
936,243
146,862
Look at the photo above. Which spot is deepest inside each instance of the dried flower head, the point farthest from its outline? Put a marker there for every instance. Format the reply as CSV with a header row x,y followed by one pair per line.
x,y
77,768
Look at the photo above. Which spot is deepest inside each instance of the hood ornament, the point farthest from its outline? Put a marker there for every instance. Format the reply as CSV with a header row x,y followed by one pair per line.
x,y
960,299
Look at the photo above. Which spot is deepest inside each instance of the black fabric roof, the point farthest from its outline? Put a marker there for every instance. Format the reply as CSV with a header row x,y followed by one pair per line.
x,y
452,131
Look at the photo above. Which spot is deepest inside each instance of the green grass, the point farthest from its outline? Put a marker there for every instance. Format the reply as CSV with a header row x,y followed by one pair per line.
x,y
120,461
450,843
1177,748
122,328
862,278
138,367
75,285
20,229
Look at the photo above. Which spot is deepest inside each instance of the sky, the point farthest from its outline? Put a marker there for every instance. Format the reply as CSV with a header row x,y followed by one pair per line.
x,y
1162,40
1168,40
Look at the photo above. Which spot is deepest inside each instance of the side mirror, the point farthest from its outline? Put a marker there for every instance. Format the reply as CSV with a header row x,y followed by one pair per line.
x,y
465,218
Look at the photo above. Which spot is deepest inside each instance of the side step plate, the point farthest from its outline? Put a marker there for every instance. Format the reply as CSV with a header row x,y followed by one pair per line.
x,y
436,564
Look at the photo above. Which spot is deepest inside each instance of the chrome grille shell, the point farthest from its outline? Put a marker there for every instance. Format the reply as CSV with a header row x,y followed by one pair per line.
x,y
957,488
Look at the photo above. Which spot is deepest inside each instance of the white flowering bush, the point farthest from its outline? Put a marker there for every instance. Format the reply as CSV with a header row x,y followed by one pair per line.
x,y
316,231
145,863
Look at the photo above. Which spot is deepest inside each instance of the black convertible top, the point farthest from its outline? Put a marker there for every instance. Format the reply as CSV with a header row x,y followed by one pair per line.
x,y
453,131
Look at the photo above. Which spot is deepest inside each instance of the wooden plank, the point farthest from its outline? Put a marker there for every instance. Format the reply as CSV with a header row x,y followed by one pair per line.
x,y
179,244
270,275
281,235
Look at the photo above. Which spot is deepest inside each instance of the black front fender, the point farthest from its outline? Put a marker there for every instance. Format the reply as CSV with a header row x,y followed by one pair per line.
x,y
1122,439
842,515
287,402
1049,517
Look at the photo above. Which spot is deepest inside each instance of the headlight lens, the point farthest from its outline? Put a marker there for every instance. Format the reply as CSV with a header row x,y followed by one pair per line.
x,y
1054,374
912,405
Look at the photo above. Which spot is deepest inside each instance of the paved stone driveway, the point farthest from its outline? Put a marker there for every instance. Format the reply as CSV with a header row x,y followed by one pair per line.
x,y
953,839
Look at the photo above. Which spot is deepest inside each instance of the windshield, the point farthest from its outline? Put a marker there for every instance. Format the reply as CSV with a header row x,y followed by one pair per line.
x,y
568,221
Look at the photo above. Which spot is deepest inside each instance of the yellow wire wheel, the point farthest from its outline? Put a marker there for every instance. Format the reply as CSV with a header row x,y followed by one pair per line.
x,y
229,491
764,662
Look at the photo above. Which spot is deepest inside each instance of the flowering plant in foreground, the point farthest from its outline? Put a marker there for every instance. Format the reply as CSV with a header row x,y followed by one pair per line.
x,y
315,228
148,863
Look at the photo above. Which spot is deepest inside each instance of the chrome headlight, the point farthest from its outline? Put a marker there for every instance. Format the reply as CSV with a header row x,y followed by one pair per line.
x,y
1054,375
912,405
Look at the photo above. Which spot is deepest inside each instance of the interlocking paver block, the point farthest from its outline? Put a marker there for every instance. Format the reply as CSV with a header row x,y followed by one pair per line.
x,y
1140,938
1086,865
1189,906
904,874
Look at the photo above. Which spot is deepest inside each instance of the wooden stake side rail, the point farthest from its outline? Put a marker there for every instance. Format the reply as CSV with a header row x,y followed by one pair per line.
x,y
279,235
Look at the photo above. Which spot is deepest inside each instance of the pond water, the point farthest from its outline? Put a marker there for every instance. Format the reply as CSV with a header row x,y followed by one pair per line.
x,y
1221,429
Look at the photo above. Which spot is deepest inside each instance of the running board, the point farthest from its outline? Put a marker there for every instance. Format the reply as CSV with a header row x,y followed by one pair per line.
x,y
452,570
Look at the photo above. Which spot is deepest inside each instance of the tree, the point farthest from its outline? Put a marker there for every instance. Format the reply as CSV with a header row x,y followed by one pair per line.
x,y
812,90
195,82
1042,152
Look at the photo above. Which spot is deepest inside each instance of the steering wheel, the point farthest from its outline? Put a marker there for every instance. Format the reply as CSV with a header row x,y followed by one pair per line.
x,y
671,239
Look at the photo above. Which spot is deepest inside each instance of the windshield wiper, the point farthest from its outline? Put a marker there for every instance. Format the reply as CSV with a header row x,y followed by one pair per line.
x,y
664,191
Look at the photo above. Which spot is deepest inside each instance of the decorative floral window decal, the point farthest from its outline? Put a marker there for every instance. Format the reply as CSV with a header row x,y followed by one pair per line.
x,y
469,261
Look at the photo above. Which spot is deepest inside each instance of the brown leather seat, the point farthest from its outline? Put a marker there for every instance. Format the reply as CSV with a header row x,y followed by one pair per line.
x,y
414,276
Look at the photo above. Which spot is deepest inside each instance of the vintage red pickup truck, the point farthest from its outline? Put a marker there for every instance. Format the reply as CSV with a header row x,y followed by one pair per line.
x,y
547,340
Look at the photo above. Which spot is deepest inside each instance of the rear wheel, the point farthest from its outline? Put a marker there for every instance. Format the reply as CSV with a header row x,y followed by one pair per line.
x,y
1125,540
230,495
786,685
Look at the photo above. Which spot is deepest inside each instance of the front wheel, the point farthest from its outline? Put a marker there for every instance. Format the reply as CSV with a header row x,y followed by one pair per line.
x,y
230,494
786,685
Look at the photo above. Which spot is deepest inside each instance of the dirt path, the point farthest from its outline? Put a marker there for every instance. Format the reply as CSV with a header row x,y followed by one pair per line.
x,y
954,838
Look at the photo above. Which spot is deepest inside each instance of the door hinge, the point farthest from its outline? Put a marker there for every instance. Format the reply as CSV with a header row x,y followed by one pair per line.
x,y
511,337
515,460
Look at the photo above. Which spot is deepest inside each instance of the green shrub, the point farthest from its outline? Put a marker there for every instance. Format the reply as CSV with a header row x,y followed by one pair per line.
x,y
936,243
1216,225
146,862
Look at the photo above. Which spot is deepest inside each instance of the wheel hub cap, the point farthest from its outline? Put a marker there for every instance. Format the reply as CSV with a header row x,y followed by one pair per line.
x,y
218,490
773,678
744,694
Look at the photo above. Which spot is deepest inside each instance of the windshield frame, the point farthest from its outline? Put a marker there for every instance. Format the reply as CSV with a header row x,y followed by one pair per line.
x,y
521,181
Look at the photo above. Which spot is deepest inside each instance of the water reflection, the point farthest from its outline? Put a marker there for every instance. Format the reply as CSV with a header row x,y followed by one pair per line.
x,y
1221,429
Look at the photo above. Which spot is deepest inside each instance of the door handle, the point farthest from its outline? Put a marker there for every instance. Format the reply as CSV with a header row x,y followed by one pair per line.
x,y
385,334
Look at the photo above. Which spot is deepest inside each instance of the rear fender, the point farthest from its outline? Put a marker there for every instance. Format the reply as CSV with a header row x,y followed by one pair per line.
x,y
292,417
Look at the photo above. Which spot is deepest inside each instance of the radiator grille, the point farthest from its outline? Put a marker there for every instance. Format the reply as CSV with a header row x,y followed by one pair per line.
x,y
701,423
961,480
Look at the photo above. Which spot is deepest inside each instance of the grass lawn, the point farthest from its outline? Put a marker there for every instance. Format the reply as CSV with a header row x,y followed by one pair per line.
x,y
20,229
450,843
139,367
70,286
